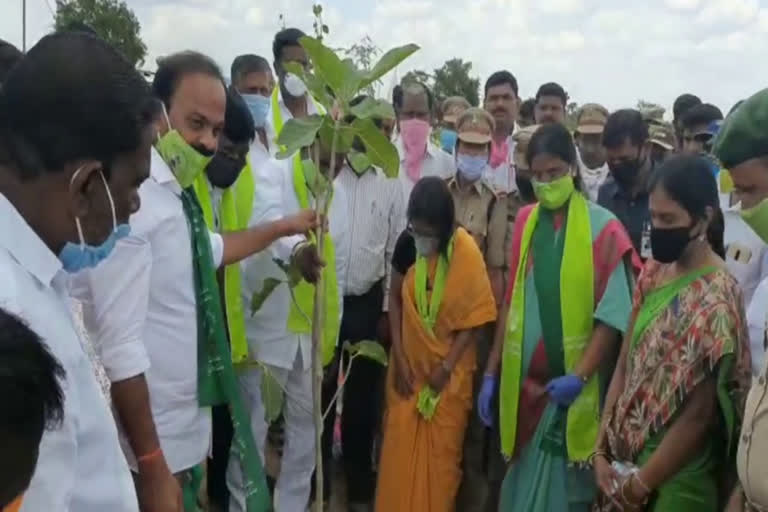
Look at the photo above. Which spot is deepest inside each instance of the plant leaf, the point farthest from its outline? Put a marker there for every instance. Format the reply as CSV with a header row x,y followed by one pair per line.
x,y
292,272
379,149
258,298
387,62
316,181
370,107
343,141
271,395
359,162
368,349
298,133
331,70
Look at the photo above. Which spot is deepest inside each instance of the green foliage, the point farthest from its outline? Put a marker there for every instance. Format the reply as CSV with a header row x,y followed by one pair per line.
x,y
359,162
258,298
272,396
112,20
362,54
368,349
298,133
378,148
417,76
571,115
370,107
290,271
453,79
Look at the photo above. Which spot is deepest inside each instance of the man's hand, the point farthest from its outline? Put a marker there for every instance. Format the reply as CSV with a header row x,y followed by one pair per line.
x,y
158,490
308,262
300,223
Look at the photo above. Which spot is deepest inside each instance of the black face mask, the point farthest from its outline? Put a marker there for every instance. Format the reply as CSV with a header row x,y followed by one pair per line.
x,y
223,170
626,172
667,245
525,188
203,150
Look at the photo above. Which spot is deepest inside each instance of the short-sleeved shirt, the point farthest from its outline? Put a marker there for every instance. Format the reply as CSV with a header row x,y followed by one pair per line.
x,y
633,212
484,215
404,255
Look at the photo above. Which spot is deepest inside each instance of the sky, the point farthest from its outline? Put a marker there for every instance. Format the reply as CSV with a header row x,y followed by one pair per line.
x,y
612,52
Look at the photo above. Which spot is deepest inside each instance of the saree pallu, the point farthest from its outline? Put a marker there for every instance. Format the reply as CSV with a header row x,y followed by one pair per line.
x,y
683,332
564,487
420,468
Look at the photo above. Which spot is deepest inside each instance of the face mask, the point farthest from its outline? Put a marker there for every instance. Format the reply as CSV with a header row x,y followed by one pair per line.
x,y
757,218
525,188
294,86
554,194
471,167
426,245
77,257
414,134
667,245
259,106
448,140
625,172
223,170
186,162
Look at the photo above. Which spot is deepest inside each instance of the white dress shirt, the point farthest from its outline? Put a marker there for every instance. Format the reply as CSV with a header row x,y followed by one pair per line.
x,y
269,340
270,124
140,308
746,255
436,163
375,204
80,467
258,155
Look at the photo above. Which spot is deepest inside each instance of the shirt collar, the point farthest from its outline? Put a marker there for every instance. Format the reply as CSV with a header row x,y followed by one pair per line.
x,y
162,174
25,246
431,149
477,185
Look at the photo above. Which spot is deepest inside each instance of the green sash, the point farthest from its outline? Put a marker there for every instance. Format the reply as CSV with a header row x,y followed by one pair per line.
x,y
216,380
576,291
234,215
304,292
428,309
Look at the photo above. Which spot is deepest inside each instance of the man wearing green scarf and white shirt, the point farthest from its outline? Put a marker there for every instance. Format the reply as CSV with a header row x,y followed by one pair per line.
x,y
279,333
154,309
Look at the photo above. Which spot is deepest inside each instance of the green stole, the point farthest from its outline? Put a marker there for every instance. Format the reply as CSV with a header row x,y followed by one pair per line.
x,y
566,334
428,309
304,293
234,215
216,380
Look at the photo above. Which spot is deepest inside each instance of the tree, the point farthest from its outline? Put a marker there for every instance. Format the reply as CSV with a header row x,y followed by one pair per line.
x,y
571,114
418,76
453,79
362,55
112,20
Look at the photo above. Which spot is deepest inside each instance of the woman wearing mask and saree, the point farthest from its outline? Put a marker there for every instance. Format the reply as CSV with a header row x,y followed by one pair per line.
x,y
444,296
568,302
674,406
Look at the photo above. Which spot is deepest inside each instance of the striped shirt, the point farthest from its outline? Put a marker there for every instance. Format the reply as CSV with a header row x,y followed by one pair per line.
x,y
376,209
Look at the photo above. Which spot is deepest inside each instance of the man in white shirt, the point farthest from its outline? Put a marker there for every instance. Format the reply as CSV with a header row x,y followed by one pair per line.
x,y
589,142
281,346
419,157
291,99
75,135
144,308
252,78
502,102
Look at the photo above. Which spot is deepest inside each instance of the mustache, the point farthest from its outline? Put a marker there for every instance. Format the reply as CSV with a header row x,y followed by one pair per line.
x,y
204,150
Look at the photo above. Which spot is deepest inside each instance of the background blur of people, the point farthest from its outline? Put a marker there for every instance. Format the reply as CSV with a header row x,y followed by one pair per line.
x,y
526,116
682,104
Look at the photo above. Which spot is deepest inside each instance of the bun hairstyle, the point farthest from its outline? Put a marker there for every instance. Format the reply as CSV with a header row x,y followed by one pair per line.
x,y
688,180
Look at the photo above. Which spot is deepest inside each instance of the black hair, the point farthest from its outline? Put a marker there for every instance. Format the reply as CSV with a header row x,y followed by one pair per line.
x,y
501,78
526,108
622,125
701,114
249,63
238,121
9,56
71,97
554,139
32,402
683,104
688,180
432,202
408,85
397,97
171,69
286,37
552,89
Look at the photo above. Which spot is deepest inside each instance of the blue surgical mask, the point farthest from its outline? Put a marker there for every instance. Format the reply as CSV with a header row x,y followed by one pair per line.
x,y
471,167
77,257
448,140
259,107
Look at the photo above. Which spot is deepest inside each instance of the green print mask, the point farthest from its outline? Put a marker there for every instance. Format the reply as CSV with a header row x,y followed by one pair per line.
x,y
186,162
757,218
554,194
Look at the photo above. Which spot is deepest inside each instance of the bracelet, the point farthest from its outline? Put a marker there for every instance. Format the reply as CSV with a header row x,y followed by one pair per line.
x,y
598,453
147,457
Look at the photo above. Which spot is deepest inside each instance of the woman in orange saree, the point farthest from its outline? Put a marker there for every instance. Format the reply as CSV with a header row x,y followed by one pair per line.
x,y
445,296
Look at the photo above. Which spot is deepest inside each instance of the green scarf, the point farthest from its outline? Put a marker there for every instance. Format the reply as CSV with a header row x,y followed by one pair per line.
x,y
217,383
576,304
301,309
428,310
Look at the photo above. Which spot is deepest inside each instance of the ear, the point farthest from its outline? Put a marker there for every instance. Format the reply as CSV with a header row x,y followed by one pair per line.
x,y
83,180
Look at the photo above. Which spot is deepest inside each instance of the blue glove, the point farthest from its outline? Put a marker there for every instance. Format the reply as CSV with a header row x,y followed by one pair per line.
x,y
564,390
485,399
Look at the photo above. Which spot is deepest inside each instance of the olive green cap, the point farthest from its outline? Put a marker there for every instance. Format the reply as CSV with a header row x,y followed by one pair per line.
x,y
744,134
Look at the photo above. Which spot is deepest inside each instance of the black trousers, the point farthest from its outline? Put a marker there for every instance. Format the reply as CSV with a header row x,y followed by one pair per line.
x,y
363,393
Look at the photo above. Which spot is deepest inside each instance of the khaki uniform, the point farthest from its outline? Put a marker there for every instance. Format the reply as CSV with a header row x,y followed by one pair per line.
x,y
753,445
484,215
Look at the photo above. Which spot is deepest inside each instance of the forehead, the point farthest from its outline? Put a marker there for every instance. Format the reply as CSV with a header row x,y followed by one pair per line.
x,y
544,162
504,89
415,99
660,202
256,78
294,53
626,149
202,94
137,162
750,172
550,101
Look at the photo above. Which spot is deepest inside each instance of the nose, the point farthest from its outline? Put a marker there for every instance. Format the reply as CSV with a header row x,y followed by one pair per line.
x,y
210,141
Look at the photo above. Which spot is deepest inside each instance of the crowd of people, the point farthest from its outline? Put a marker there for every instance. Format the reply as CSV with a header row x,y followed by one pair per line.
x,y
575,318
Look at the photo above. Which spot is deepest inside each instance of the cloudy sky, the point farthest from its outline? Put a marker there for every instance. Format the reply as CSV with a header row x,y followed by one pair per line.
x,y
608,51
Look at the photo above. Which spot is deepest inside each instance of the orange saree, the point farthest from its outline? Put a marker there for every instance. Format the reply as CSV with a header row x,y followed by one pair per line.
x,y
420,467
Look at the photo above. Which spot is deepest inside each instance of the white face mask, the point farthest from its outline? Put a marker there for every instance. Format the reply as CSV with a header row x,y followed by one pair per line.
x,y
426,245
294,86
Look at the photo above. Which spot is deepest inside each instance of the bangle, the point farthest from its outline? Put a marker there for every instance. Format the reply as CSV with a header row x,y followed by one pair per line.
x,y
598,453
147,457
